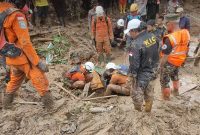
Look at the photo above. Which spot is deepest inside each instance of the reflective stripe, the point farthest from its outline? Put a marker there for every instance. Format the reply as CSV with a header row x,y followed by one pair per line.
x,y
174,39
179,53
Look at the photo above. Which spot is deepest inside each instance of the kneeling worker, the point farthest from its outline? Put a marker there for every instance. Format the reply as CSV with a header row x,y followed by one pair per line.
x,y
118,80
79,75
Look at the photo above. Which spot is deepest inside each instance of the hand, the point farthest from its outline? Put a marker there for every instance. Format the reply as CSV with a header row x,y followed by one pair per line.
x,y
43,66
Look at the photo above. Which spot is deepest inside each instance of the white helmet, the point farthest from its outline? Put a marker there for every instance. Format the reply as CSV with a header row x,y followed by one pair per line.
x,y
111,66
120,22
99,11
89,66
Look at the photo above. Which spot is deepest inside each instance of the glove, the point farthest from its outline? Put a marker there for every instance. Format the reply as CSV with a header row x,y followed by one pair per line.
x,y
42,66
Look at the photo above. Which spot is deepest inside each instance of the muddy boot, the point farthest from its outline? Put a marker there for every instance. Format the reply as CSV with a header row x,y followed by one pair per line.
x,y
175,91
7,101
47,101
166,93
138,107
148,105
108,58
100,60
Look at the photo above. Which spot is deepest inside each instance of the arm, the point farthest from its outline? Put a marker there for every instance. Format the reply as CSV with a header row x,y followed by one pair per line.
x,y
21,30
110,29
166,50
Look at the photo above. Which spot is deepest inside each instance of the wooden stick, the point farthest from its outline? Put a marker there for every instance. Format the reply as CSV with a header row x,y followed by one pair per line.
x,y
85,90
42,39
24,102
88,99
68,92
193,57
193,88
92,95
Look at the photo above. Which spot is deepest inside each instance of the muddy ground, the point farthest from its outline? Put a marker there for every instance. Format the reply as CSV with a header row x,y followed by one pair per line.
x,y
179,116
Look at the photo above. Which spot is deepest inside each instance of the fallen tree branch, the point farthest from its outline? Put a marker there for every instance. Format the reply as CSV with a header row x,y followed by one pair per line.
x,y
88,99
193,88
68,92
24,102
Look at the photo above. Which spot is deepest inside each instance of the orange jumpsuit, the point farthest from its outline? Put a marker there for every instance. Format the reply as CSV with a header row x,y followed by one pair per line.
x,y
102,32
25,65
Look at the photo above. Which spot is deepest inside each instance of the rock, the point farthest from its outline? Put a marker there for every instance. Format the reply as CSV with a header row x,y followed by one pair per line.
x,y
69,128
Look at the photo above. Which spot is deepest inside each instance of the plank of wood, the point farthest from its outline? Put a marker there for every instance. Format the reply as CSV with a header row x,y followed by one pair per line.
x,y
88,99
24,102
67,91
85,90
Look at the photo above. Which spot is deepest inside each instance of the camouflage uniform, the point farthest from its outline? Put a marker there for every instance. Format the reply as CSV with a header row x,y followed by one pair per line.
x,y
169,72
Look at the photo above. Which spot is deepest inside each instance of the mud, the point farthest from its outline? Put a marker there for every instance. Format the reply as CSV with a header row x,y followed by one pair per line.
x,y
179,116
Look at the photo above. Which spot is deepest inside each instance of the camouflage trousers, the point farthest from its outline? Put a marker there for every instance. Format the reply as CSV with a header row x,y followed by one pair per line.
x,y
169,72
139,94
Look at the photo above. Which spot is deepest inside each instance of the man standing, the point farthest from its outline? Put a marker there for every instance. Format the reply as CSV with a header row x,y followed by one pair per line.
x,y
102,34
184,21
42,11
174,52
143,58
20,54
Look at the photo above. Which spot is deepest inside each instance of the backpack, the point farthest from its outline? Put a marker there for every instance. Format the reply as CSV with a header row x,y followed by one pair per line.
x,y
7,49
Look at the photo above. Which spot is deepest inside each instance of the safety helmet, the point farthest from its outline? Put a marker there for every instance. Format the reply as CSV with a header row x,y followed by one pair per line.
x,y
99,11
18,3
133,24
179,10
134,7
120,22
89,66
111,65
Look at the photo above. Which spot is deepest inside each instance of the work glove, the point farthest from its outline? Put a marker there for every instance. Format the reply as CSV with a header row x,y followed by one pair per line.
x,y
43,66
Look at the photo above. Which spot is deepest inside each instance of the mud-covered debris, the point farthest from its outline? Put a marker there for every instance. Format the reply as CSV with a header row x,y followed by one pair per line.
x,y
101,109
69,128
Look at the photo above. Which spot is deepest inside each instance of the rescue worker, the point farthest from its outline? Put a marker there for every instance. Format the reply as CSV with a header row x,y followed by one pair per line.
x,y
60,8
151,27
42,11
92,13
118,34
118,82
172,6
133,14
184,20
122,6
102,34
161,27
142,8
79,75
174,52
144,60
20,55
152,9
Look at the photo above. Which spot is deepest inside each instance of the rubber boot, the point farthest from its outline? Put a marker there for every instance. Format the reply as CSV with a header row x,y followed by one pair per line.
x,y
7,101
108,58
120,8
166,93
47,101
175,91
63,21
148,105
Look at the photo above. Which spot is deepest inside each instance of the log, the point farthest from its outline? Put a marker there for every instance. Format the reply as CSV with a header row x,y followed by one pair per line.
x,y
42,39
88,99
24,102
68,92
85,90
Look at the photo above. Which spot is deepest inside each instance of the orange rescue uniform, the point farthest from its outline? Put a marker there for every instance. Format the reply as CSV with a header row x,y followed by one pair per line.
x,y
102,32
118,79
179,41
25,65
